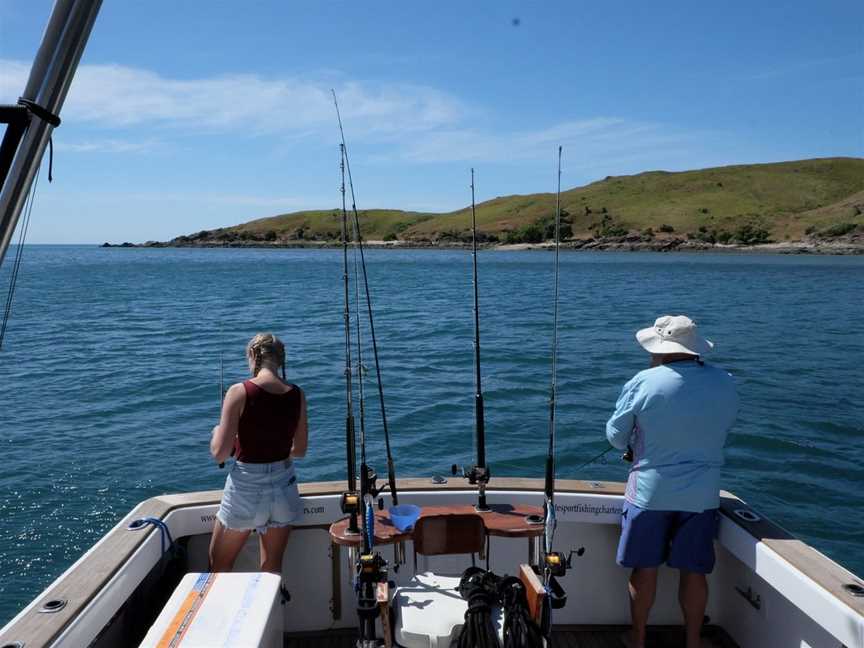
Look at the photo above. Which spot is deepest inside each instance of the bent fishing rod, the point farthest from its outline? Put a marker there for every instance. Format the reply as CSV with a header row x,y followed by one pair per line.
x,y
479,474
366,475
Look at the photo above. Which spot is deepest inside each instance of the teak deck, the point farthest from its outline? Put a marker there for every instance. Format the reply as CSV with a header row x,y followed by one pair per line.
x,y
567,637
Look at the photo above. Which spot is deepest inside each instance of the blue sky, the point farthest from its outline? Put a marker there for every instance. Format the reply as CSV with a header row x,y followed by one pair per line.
x,y
193,115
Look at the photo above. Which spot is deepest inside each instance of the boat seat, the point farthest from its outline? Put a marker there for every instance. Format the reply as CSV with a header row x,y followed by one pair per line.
x,y
429,610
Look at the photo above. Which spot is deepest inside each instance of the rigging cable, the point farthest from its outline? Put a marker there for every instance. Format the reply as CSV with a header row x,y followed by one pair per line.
x,y
16,263
391,471
550,521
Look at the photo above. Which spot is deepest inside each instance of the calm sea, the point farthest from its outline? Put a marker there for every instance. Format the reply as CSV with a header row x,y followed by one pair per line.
x,y
109,381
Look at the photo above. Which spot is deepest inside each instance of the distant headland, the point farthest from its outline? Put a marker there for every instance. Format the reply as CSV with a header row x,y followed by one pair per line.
x,y
805,206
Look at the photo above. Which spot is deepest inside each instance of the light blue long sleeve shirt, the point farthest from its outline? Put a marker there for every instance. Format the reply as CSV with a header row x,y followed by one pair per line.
x,y
676,418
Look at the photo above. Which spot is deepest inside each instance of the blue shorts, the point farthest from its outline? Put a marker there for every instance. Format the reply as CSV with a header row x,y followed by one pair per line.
x,y
680,539
260,496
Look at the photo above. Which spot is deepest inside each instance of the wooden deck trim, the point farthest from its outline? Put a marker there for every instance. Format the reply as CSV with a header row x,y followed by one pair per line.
x,y
94,571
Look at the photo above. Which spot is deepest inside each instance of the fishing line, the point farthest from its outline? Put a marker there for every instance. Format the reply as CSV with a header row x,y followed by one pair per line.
x,y
593,459
16,264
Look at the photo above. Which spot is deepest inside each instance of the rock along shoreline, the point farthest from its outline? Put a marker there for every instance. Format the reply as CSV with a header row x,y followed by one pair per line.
x,y
853,245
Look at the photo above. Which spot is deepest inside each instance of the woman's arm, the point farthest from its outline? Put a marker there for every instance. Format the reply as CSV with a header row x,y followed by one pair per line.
x,y
301,434
224,434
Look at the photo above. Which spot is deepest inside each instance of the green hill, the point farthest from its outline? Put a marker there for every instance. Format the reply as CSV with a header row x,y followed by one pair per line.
x,y
743,203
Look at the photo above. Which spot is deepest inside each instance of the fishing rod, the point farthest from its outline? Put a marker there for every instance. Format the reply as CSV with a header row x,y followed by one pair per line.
x,y
479,474
364,472
350,500
554,564
222,385
550,521
371,568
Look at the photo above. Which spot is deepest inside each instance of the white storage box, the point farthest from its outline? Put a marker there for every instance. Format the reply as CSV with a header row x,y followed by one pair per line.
x,y
225,609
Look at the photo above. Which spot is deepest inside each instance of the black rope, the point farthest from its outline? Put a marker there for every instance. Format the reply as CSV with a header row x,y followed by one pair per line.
x,y
16,263
51,159
520,630
480,589
484,590
42,113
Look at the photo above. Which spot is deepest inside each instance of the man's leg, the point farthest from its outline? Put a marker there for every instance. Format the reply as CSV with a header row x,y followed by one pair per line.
x,y
643,588
692,553
642,548
693,597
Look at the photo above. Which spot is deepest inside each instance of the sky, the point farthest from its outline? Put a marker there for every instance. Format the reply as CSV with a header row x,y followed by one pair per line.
x,y
194,115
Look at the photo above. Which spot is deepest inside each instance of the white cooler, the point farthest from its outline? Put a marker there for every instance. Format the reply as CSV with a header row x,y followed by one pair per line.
x,y
214,610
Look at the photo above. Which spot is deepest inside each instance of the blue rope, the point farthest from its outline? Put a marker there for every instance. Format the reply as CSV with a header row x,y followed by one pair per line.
x,y
164,533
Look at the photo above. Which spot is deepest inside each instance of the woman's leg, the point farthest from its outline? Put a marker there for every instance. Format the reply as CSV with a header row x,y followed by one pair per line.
x,y
272,545
224,547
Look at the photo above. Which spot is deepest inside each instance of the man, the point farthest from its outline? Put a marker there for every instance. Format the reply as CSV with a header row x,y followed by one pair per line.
x,y
675,417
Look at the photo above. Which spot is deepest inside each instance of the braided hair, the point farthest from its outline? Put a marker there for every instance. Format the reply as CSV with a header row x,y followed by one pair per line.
x,y
266,350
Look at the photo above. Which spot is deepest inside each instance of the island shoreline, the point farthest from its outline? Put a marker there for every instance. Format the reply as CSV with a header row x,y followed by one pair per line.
x,y
848,247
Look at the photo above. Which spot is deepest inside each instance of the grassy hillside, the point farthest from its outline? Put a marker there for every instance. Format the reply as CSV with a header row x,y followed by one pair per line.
x,y
744,203
320,225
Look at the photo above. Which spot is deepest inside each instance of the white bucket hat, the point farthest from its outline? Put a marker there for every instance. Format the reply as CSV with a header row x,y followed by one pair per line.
x,y
673,334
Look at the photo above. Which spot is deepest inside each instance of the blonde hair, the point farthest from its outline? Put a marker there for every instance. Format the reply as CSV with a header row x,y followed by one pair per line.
x,y
265,349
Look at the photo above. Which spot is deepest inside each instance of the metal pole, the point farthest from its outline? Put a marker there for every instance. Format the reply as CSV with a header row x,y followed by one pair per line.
x,y
50,77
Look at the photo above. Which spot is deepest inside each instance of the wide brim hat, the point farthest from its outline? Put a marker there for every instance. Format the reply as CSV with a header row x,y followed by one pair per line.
x,y
673,334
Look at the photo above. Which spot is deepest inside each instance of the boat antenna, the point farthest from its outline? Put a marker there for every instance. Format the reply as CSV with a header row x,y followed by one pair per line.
x,y
391,471
550,521
479,474
350,500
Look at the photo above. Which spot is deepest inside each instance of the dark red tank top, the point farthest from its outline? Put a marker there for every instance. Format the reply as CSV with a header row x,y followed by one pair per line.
x,y
267,425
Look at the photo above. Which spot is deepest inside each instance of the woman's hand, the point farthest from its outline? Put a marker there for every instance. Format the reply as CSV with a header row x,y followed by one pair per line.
x,y
222,439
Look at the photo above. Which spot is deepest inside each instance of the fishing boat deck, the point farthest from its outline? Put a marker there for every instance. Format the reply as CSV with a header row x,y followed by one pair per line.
x,y
567,637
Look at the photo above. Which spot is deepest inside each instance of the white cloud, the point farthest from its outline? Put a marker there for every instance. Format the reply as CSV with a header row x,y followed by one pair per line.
x,y
407,122
117,96
592,140
104,146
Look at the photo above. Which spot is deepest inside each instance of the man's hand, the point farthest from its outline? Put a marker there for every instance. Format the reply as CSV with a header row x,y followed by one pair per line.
x,y
628,456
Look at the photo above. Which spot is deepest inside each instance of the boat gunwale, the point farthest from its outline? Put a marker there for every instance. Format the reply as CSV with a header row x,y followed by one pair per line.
x,y
92,572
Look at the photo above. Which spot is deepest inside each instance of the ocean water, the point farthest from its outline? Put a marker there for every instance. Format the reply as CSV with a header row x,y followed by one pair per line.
x,y
109,380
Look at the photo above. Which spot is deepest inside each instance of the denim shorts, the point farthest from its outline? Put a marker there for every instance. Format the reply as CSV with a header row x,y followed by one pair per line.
x,y
259,496
681,539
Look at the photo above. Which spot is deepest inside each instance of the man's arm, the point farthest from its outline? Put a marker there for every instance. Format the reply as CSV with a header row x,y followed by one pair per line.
x,y
620,425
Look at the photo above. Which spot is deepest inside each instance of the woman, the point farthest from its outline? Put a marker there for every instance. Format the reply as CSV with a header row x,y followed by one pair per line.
x,y
264,421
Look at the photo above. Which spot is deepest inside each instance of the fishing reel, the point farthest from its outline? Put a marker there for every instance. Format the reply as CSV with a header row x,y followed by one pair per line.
x,y
628,456
350,503
477,475
557,564
371,568
351,506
